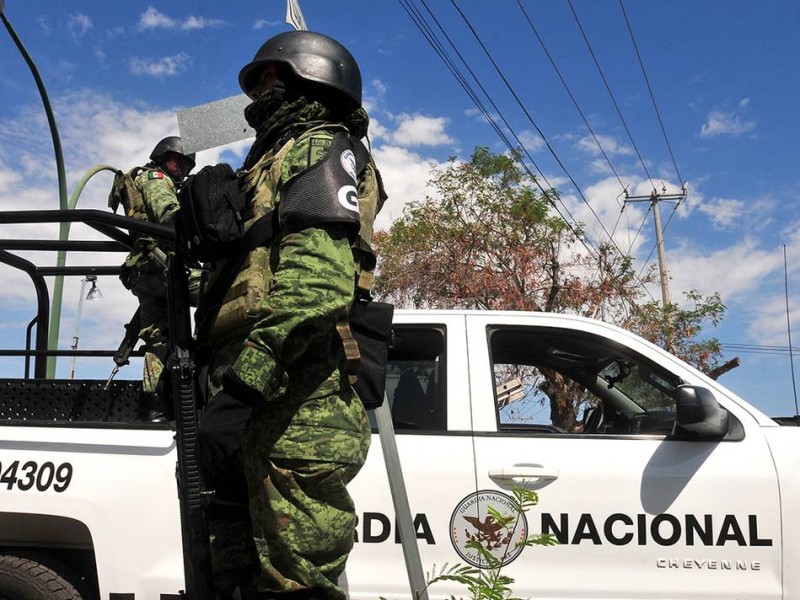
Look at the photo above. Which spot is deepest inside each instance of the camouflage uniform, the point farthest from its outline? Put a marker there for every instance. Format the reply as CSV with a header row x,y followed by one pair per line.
x,y
144,271
309,433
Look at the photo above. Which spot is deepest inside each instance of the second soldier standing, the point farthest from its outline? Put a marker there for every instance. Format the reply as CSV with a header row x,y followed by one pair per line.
x,y
149,193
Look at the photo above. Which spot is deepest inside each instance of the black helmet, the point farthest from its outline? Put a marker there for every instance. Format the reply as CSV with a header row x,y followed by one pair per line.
x,y
312,57
170,144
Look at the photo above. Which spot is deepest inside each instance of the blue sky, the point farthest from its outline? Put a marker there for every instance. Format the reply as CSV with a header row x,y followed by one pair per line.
x,y
721,75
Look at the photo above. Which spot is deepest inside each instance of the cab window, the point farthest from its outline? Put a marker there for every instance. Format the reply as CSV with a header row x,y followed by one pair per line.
x,y
415,379
563,381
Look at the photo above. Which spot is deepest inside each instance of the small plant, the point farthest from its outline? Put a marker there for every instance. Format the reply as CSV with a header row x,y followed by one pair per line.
x,y
488,582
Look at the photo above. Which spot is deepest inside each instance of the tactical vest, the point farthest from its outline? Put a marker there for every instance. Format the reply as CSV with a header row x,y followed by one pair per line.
x,y
124,192
242,304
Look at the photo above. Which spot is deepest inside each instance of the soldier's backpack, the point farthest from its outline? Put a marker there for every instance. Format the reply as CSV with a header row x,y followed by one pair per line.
x,y
124,193
212,215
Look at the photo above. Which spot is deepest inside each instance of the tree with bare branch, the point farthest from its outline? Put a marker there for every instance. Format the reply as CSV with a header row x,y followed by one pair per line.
x,y
486,239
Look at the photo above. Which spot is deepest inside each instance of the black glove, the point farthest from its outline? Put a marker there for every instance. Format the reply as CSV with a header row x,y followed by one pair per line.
x,y
220,436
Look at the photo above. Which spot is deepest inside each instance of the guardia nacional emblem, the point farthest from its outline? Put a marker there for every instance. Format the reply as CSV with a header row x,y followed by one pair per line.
x,y
472,522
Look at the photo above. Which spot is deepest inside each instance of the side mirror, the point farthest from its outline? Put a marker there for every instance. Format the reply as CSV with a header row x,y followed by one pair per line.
x,y
699,413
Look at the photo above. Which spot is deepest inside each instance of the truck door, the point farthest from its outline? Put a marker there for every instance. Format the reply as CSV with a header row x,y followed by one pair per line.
x,y
428,392
583,414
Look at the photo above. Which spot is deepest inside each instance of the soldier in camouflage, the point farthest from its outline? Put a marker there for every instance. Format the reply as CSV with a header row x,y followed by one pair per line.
x,y
283,421
150,194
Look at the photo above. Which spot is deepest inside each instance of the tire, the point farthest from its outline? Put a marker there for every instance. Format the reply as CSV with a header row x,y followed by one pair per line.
x,y
26,579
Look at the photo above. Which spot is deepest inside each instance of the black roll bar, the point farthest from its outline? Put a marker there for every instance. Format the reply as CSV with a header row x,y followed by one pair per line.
x,y
120,229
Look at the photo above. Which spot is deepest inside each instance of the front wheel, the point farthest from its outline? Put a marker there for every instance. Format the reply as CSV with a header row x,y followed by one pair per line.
x,y
26,579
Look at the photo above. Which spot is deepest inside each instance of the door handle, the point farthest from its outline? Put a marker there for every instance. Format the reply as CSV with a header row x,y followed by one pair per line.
x,y
528,476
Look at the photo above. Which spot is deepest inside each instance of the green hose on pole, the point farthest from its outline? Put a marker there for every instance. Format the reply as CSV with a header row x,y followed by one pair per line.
x,y
55,310
76,191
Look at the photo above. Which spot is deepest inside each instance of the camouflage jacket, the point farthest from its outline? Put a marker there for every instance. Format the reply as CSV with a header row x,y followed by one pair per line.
x,y
290,294
159,195
143,271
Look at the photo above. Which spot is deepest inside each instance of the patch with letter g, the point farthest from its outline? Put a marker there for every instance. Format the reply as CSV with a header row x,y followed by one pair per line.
x,y
472,522
348,160
348,194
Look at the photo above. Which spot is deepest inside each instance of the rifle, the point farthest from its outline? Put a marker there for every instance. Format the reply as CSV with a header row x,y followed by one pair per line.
x,y
126,346
180,363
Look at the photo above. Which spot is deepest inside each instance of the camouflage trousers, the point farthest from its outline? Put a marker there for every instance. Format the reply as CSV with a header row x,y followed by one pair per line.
x,y
297,462
154,329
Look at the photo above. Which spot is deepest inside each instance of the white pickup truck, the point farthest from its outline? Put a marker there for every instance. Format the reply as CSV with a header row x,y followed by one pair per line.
x,y
668,485
642,506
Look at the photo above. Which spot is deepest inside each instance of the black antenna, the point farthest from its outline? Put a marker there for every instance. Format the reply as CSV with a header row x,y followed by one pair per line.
x,y
789,329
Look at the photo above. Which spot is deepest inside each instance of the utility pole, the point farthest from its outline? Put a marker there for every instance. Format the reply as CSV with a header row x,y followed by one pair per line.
x,y
654,198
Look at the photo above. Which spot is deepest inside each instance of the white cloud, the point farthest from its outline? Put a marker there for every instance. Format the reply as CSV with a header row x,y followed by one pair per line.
x,y
193,23
262,23
405,176
379,87
78,24
44,25
419,130
372,96
609,144
160,67
728,123
377,131
606,200
531,140
723,212
152,18
599,166
744,263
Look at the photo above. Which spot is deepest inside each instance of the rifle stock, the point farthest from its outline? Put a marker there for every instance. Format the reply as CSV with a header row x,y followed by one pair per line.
x,y
128,343
123,354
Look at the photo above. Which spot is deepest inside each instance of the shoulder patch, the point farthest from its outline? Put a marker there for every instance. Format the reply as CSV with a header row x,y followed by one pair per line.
x,y
155,175
318,147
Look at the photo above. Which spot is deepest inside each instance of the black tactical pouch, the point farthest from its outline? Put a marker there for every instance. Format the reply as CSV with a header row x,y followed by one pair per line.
x,y
371,324
210,224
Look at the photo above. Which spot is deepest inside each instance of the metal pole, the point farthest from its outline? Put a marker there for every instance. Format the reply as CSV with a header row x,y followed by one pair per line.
x,y
654,198
402,509
662,260
75,337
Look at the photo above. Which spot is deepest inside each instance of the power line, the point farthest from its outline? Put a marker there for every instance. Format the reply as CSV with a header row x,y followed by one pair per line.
x,y
533,122
650,90
630,137
610,93
438,47
659,244
569,92
759,349
638,231
431,37
658,113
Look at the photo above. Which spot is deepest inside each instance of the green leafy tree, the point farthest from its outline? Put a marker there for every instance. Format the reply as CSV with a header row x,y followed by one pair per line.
x,y
679,329
489,240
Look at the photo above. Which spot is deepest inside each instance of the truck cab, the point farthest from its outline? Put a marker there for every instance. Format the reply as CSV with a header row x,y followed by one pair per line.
x,y
666,486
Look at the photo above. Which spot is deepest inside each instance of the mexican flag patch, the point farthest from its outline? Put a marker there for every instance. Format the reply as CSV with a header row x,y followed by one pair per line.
x,y
155,175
